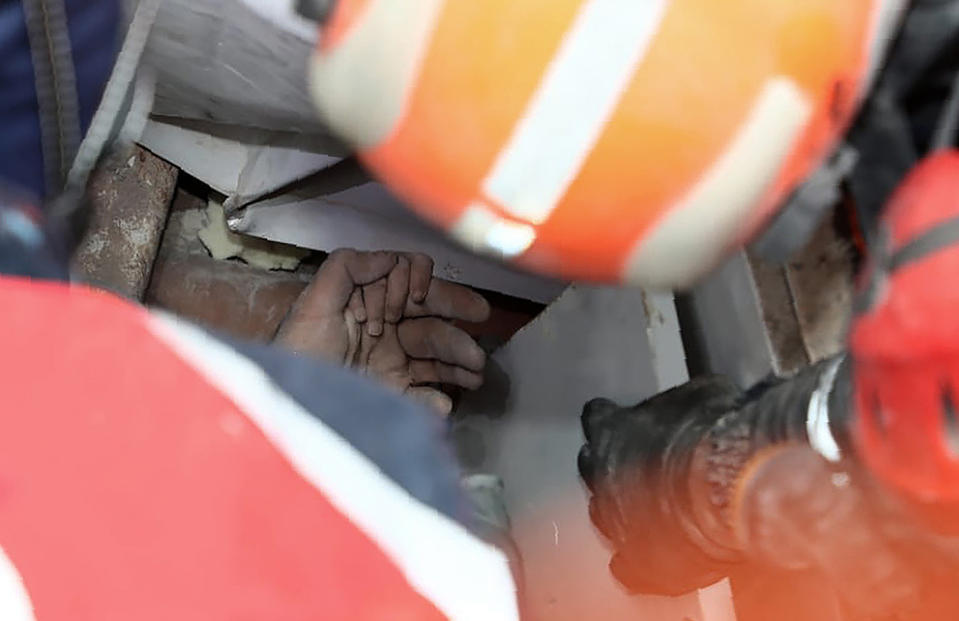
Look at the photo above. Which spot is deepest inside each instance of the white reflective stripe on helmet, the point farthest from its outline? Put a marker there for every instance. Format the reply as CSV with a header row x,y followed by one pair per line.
x,y
360,91
695,234
580,91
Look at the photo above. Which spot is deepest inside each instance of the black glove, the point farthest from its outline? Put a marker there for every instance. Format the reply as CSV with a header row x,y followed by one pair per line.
x,y
798,511
664,474
636,463
692,483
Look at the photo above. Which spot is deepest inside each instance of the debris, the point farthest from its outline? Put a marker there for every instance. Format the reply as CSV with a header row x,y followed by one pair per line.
x,y
222,243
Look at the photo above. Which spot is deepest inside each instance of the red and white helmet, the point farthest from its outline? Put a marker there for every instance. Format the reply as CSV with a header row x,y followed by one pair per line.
x,y
624,141
905,340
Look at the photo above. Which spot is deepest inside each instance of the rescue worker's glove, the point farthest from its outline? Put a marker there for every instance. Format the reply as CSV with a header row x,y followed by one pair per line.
x,y
636,462
797,511
692,483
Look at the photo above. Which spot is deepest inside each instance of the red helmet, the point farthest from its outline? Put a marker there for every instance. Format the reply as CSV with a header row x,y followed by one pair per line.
x,y
905,340
612,140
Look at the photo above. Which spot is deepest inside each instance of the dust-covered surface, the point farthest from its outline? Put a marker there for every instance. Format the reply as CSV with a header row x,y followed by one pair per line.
x,y
822,281
130,195
224,61
752,318
226,295
779,317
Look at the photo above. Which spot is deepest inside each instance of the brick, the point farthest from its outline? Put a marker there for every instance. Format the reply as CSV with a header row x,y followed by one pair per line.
x,y
226,296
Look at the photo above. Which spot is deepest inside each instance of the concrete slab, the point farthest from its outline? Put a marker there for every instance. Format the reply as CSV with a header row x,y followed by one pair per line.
x,y
368,217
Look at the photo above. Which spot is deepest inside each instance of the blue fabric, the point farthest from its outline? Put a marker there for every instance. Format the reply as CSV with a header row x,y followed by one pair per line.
x,y
21,159
95,40
93,27
405,441
25,245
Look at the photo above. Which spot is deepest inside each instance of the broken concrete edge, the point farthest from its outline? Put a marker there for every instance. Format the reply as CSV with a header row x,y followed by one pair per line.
x,y
665,338
778,308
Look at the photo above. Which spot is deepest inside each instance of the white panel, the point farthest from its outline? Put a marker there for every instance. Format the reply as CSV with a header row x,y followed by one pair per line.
x,y
239,161
524,425
368,217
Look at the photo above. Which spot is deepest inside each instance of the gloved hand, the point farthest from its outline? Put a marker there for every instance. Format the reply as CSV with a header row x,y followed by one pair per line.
x,y
383,314
798,511
636,463
694,482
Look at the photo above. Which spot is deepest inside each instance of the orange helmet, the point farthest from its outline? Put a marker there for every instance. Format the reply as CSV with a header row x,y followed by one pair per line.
x,y
623,141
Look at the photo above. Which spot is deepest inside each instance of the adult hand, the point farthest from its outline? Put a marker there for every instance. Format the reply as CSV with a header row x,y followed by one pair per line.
x,y
636,464
383,314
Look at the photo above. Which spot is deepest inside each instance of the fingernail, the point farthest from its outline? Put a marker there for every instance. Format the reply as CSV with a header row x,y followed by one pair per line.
x,y
419,296
375,328
479,358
